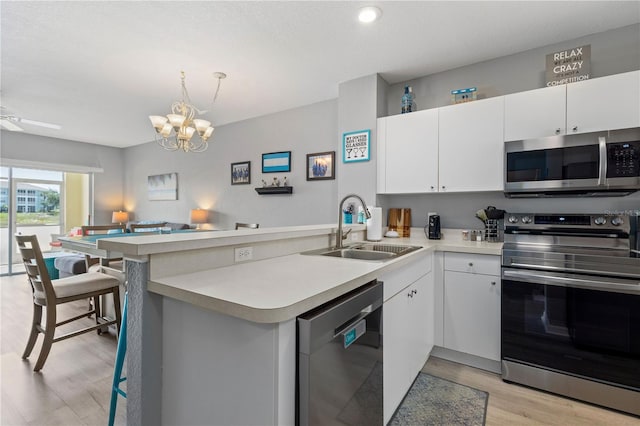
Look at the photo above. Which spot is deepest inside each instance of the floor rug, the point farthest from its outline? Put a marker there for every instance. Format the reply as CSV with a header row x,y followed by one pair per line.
x,y
435,401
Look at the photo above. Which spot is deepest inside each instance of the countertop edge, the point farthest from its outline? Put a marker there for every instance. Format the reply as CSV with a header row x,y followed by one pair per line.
x,y
287,312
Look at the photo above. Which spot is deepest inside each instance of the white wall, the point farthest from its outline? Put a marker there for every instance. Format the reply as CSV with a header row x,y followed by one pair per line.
x,y
204,179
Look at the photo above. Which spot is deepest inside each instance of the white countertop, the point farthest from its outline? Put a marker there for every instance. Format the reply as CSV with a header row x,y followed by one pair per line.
x,y
281,288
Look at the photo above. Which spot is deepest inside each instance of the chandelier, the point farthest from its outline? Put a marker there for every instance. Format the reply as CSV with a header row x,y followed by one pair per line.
x,y
176,131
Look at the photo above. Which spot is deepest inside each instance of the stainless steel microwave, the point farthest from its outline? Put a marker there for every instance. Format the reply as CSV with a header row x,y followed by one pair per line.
x,y
588,164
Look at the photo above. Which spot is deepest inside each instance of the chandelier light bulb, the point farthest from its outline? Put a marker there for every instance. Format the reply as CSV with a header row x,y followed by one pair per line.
x,y
201,125
158,122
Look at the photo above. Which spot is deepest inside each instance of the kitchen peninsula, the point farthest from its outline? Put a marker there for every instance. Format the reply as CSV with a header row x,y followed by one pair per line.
x,y
213,341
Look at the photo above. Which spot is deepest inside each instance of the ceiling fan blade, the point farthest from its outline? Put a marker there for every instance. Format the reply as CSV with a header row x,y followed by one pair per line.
x,y
9,125
40,123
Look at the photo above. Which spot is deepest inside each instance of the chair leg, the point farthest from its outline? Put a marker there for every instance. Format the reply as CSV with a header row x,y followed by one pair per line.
x,y
96,311
33,336
120,355
116,307
48,338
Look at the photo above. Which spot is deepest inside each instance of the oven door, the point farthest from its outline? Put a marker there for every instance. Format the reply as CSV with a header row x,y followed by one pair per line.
x,y
583,325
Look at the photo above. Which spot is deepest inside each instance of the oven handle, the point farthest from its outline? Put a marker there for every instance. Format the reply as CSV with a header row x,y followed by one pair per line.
x,y
567,280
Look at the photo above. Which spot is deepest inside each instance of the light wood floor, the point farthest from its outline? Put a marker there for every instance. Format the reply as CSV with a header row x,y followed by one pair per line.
x,y
511,404
74,386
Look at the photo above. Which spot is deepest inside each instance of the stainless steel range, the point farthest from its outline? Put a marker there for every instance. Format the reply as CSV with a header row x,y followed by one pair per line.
x,y
571,306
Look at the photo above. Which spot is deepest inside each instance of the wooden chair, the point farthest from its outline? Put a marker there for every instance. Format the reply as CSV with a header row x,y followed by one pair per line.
x,y
247,225
51,293
147,227
103,230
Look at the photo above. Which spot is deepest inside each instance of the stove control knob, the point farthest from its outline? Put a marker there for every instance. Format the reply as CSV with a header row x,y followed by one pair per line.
x,y
600,220
513,219
526,219
617,221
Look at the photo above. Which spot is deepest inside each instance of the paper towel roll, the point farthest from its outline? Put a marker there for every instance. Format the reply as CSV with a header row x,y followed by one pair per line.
x,y
374,225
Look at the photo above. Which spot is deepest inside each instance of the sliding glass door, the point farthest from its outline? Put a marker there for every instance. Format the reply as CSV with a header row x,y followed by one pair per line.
x,y
42,202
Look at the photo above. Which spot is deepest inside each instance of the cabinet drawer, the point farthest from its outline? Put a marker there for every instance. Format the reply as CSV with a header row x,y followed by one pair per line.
x,y
396,280
487,264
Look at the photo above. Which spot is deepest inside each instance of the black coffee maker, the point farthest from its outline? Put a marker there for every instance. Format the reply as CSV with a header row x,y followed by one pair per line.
x,y
433,225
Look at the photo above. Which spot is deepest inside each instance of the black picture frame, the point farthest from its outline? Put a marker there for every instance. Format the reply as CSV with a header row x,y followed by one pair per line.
x,y
241,173
276,162
321,166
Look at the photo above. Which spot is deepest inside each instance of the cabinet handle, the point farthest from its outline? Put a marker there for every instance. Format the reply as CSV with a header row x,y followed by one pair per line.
x,y
414,291
575,128
410,294
471,264
558,131
493,283
443,186
432,187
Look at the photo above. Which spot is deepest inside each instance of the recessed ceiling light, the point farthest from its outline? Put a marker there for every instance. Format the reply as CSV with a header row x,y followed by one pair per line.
x,y
369,14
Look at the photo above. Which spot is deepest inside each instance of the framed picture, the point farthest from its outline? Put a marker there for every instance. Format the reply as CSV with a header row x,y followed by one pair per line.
x,y
276,162
320,166
241,173
162,187
356,146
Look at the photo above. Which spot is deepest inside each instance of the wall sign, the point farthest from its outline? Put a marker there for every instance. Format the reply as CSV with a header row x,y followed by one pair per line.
x,y
162,187
275,162
568,66
356,146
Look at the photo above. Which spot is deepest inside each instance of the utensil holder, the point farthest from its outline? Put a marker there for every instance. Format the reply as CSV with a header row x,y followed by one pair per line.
x,y
491,230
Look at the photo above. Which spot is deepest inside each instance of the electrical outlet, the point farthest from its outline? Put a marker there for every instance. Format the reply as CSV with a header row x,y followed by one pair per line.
x,y
243,253
354,236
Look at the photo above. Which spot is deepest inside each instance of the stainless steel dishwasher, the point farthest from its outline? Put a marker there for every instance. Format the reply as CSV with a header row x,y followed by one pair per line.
x,y
340,360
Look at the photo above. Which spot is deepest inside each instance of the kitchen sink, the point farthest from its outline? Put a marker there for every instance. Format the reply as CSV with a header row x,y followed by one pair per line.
x,y
365,251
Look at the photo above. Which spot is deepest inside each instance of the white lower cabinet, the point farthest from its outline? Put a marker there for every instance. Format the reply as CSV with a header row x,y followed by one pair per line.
x,y
408,339
472,305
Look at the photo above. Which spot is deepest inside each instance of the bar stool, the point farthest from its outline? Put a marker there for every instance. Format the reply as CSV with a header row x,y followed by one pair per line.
x,y
117,371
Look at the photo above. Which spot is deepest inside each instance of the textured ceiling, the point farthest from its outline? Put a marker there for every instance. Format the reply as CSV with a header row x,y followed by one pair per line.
x,y
100,68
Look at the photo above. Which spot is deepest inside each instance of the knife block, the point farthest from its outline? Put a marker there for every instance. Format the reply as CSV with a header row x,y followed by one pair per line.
x,y
399,220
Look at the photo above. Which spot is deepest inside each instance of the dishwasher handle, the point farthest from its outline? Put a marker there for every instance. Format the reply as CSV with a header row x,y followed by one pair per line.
x,y
324,324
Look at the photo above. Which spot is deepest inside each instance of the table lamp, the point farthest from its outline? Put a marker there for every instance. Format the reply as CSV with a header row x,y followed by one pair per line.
x,y
199,216
120,217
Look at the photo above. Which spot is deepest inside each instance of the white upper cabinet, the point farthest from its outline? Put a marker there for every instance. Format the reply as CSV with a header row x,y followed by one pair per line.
x,y
408,152
604,103
535,113
471,146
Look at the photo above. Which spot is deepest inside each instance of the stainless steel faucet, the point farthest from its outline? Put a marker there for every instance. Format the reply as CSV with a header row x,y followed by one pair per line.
x,y
339,235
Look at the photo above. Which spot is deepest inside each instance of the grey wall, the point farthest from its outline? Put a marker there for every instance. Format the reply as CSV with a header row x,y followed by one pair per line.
x,y
612,52
458,210
204,179
357,110
108,185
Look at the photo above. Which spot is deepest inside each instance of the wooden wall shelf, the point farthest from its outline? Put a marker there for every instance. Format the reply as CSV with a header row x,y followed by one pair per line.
x,y
275,190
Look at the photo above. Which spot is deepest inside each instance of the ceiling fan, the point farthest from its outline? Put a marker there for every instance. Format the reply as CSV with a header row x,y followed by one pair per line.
x,y
11,123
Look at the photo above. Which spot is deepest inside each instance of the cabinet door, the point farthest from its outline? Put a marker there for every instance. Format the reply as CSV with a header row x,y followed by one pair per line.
x,y
407,321
424,318
535,113
410,150
604,103
471,146
397,336
472,314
